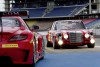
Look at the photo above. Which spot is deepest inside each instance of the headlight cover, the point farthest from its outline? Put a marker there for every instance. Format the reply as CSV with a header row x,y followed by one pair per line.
x,y
60,42
92,41
65,36
87,35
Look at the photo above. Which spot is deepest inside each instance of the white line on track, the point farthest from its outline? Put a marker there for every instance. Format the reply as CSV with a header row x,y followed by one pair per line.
x,y
97,46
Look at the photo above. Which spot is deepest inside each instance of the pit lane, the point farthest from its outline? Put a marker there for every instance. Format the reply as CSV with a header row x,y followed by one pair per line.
x,y
72,57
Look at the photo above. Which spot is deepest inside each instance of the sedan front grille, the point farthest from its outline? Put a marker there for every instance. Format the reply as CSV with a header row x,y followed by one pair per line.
x,y
75,37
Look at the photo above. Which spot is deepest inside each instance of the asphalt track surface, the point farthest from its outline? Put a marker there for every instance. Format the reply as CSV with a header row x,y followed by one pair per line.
x,y
72,57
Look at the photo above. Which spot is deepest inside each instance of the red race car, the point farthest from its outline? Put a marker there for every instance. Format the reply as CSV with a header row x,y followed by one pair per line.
x,y
69,33
18,43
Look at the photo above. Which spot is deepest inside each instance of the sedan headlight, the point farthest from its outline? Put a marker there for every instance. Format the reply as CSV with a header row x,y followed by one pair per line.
x,y
65,36
87,35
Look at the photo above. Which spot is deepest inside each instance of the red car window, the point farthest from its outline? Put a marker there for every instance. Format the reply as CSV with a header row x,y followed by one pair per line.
x,y
68,25
10,23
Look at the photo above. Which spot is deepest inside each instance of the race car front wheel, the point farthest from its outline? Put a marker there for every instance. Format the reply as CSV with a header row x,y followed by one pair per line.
x,y
49,44
55,45
90,45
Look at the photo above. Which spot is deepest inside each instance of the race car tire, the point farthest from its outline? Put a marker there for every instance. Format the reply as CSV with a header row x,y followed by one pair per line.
x,y
90,45
43,49
49,44
32,65
56,46
42,58
35,52
5,60
20,65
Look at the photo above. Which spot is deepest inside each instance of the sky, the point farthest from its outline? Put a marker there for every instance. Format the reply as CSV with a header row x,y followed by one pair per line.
x,y
2,5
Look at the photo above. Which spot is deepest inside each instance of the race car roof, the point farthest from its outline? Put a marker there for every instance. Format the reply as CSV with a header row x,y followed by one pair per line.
x,y
70,20
14,13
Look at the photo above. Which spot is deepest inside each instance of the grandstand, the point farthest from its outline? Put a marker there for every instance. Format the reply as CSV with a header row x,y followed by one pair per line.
x,y
57,11
63,11
52,8
92,22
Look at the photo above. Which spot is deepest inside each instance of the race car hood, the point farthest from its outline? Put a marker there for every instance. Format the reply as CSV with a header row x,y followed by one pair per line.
x,y
79,30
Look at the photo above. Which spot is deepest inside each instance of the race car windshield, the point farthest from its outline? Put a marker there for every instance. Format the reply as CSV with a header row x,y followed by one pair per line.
x,y
69,25
9,22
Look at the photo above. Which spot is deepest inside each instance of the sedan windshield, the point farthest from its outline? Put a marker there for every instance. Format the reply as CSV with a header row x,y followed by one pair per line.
x,y
69,25
9,22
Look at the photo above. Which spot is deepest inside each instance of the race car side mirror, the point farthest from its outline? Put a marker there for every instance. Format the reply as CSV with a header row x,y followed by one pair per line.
x,y
34,27
91,33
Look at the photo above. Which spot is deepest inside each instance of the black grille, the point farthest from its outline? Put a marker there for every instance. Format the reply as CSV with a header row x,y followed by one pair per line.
x,y
75,37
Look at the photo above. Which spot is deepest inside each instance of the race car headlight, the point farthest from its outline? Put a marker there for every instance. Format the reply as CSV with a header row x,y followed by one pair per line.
x,y
18,37
65,36
87,35
92,41
60,42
